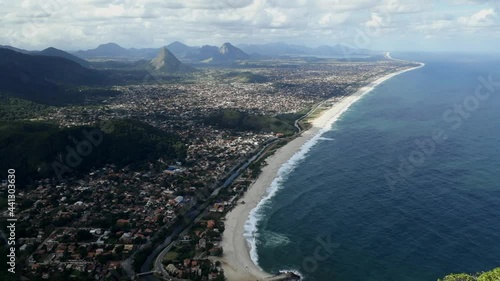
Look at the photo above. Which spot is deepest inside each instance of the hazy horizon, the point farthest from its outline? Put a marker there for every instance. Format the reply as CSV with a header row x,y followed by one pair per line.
x,y
392,25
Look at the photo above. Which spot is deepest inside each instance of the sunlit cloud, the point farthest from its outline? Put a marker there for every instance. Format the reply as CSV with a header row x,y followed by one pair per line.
x,y
152,23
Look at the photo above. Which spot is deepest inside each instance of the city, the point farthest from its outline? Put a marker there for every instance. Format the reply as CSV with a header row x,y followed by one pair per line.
x,y
105,221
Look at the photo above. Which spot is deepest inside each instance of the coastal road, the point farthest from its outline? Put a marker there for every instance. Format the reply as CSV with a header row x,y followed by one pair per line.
x,y
198,214
169,241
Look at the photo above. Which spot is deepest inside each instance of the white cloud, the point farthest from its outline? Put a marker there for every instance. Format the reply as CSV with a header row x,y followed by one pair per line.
x,y
482,18
75,24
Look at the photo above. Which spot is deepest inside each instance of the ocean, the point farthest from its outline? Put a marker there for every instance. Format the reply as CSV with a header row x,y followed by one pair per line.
x,y
404,186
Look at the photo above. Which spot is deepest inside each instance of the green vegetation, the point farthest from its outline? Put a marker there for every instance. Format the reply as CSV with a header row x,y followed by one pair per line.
x,y
84,236
171,256
246,77
43,78
36,150
493,275
17,109
141,257
237,120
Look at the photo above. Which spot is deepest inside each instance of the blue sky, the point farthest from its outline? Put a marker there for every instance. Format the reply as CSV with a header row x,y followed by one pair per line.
x,y
442,25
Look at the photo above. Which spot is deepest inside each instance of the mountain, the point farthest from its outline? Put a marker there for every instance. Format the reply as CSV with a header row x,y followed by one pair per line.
x,y
177,47
145,53
14,49
274,49
228,52
115,51
284,49
166,62
42,78
204,53
53,52
181,50
339,50
109,50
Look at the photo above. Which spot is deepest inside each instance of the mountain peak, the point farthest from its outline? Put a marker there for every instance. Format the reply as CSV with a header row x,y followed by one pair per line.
x,y
110,45
108,50
54,52
50,49
229,52
165,55
165,61
226,48
177,44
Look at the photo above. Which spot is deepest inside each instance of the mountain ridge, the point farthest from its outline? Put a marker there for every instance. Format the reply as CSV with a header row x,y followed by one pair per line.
x,y
42,78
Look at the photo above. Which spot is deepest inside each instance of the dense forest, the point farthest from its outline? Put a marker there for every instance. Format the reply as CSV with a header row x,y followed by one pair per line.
x,y
12,108
39,150
237,120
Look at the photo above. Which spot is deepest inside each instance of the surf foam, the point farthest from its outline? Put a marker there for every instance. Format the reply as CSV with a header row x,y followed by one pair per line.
x,y
250,233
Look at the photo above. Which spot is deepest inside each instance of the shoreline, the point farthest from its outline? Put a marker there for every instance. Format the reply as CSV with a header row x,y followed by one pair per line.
x,y
240,259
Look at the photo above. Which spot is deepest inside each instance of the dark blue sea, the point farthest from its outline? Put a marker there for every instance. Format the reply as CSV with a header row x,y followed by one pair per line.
x,y
404,187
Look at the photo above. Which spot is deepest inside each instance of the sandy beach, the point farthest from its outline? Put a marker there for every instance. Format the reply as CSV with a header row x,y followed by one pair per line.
x,y
236,261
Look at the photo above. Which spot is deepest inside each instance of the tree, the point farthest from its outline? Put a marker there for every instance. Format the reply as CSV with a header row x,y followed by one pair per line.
x,y
83,235
119,249
493,275
459,277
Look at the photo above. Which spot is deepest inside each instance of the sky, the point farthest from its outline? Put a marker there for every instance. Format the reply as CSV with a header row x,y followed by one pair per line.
x,y
389,25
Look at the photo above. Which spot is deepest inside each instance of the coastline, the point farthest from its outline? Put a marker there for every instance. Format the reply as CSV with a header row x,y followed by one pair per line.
x,y
240,258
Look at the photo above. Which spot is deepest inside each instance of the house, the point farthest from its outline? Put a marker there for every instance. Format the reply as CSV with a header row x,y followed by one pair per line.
x,y
215,251
186,238
122,222
179,199
202,243
128,247
172,270
210,224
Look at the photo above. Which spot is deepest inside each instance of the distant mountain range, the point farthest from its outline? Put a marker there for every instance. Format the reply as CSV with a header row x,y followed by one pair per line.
x,y
115,51
41,77
283,49
53,52
227,53
53,76
50,52
181,50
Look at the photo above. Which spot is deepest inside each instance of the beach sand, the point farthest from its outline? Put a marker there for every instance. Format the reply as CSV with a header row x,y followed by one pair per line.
x,y
236,261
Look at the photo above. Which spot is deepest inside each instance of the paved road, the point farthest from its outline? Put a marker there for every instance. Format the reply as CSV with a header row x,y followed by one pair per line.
x,y
201,211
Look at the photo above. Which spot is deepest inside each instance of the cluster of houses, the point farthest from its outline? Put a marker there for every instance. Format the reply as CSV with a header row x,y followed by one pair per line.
x,y
91,223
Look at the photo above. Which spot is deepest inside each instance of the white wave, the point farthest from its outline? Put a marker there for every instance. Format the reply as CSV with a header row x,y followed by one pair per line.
x,y
274,239
296,272
250,233
250,229
326,139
